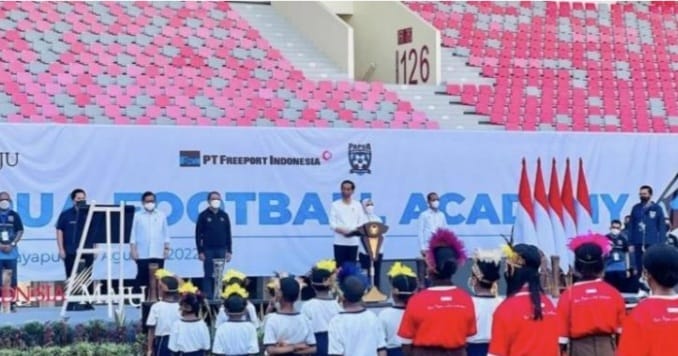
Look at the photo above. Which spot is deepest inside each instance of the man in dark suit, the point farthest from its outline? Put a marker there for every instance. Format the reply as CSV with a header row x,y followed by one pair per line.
x,y
647,225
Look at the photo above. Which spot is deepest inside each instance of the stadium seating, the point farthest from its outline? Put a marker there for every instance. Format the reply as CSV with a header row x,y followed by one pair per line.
x,y
566,65
183,63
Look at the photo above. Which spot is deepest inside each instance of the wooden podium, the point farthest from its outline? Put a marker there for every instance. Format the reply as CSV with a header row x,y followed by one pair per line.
x,y
372,236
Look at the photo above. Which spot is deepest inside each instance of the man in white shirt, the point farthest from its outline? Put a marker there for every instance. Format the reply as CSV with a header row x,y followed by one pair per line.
x,y
430,220
149,241
346,215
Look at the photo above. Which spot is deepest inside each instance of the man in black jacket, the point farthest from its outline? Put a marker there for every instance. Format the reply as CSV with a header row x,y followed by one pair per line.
x,y
213,239
647,225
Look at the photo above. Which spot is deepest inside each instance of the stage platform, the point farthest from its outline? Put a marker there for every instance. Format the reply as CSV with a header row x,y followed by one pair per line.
x,y
53,314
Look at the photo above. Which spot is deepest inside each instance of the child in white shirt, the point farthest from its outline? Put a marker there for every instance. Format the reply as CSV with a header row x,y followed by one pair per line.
x,y
355,331
233,276
286,331
235,336
403,285
163,314
190,335
321,309
485,272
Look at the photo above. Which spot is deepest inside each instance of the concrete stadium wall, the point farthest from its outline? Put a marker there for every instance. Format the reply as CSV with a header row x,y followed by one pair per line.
x,y
318,23
378,27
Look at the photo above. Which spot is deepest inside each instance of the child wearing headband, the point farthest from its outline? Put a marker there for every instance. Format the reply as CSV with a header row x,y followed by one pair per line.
x,y
485,272
403,285
323,307
190,335
163,314
235,336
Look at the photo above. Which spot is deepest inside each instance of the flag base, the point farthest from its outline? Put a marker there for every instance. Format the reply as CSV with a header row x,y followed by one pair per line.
x,y
374,296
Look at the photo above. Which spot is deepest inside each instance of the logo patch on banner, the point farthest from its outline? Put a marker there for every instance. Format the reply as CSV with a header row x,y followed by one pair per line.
x,y
360,158
189,158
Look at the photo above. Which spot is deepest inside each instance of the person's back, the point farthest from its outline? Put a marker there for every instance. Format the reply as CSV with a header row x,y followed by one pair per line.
x,y
590,308
356,333
515,332
651,328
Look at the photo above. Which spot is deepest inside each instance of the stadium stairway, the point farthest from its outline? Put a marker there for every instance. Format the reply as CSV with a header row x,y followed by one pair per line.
x,y
290,42
429,99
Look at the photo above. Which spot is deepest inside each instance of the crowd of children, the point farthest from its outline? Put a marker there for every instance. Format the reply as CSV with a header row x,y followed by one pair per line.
x,y
589,318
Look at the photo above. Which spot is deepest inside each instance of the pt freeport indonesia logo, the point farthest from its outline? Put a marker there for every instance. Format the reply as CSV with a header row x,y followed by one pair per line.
x,y
198,159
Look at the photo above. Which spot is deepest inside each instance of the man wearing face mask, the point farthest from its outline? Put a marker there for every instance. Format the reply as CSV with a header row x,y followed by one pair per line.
x,y
69,231
11,230
150,240
618,264
430,220
647,225
213,239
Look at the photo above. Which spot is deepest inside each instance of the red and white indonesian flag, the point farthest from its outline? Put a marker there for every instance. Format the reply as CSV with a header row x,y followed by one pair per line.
x,y
583,203
567,197
556,216
523,228
542,219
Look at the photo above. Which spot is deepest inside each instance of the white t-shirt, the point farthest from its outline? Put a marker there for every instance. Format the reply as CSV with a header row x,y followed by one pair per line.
x,y
189,336
251,316
356,334
319,312
163,315
236,338
390,320
484,307
288,328
348,216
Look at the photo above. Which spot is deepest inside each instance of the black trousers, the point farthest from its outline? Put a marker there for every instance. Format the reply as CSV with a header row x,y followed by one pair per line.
x,y
343,254
622,283
143,277
87,260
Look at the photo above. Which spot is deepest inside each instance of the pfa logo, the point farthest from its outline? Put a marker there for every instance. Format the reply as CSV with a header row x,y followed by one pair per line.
x,y
360,158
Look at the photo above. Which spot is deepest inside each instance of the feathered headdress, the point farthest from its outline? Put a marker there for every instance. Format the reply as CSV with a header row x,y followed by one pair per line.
x,y
591,238
162,273
188,288
486,264
326,265
445,238
399,269
512,258
233,274
234,289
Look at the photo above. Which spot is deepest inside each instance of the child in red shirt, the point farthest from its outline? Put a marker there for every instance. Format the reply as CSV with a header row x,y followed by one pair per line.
x,y
591,311
525,324
652,327
439,319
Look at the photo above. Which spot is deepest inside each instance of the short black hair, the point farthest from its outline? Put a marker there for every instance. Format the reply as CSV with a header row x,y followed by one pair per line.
x,y
346,181
661,262
491,273
77,191
193,302
353,288
589,261
615,221
235,304
430,195
289,289
649,189
171,283
318,277
405,285
446,262
147,194
209,195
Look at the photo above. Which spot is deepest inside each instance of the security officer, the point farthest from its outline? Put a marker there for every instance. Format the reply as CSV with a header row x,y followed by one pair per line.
x,y
11,230
69,231
618,266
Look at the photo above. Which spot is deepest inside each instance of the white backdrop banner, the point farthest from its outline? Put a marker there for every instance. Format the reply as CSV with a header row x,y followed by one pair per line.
x,y
278,184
